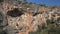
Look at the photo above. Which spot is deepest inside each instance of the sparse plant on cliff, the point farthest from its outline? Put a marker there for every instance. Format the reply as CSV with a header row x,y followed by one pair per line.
x,y
1,0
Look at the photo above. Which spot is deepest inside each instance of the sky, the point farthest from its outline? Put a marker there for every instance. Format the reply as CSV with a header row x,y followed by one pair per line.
x,y
47,2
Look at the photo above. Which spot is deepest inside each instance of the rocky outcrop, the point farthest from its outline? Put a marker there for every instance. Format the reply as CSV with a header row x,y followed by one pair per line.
x,y
26,17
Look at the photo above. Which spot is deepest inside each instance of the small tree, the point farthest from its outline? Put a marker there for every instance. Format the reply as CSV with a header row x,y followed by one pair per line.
x,y
24,0
1,0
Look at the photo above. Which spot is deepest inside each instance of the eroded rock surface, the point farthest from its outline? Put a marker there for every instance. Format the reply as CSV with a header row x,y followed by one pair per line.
x,y
24,18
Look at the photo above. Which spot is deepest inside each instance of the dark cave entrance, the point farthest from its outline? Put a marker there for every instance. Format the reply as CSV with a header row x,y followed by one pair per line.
x,y
15,12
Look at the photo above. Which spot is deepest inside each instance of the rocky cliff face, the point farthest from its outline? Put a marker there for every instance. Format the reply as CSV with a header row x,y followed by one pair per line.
x,y
22,18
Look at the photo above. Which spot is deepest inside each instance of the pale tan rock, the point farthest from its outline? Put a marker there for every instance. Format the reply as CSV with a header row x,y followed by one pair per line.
x,y
26,22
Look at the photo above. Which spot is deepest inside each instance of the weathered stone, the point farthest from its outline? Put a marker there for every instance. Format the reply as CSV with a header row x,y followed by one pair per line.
x,y
18,19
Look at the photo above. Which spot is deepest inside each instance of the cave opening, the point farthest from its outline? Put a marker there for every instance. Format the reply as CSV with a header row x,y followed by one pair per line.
x,y
15,12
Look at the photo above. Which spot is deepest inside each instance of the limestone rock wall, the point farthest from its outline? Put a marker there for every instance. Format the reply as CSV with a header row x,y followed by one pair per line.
x,y
25,18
